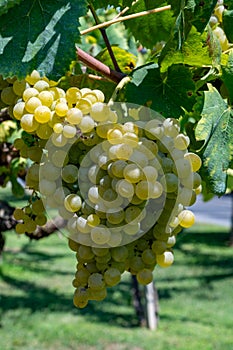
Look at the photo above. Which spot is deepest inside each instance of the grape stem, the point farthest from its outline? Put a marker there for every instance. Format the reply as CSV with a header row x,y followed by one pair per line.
x,y
98,66
125,18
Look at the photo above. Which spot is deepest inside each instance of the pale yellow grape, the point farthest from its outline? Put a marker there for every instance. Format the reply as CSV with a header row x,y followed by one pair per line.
x,y
19,86
149,148
99,112
19,110
171,241
33,77
59,140
171,127
69,131
125,189
182,167
194,159
198,190
139,158
132,173
46,98
61,109
60,194
74,116
196,180
123,151
181,142
84,105
42,114
114,136
93,194
41,85
58,128
32,103
30,92
131,139
93,220
44,131
28,123
117,168
87,124
166,259
112,276
99,94
47,187
132,228
82,226
59,158
149,173
144,276
73,94
187,218
142,190
8,96
103,128
57,93
91,97
72,202
70,173
100,235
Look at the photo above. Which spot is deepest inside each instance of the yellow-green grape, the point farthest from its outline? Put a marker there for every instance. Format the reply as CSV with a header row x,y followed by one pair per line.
x,y
115,215
74,116
28,123
114,136
32,103
84,105
8,96
112,276
166,259
195,161
86,124
81,297
100,235
72,202
30,92
46,98
19,110
186,218
33,77
18,214
99,94
99,112
19,86
58,128
93,220
96,282
125,189
44,131
59,140
132,173
70,173
40,219
42,114
69,131
20,228
73,95
148,256
41,85
61,109
181,142
144,276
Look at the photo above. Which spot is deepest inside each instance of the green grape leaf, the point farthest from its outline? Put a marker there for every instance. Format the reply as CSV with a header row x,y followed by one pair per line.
x,y
150,29
5,5
227,20
216,128
46,39
194,52
227,76
125,59
169,94
229,4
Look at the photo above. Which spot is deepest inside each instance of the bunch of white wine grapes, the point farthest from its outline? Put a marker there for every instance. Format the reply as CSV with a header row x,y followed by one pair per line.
x,y
216,24
31,216
121,175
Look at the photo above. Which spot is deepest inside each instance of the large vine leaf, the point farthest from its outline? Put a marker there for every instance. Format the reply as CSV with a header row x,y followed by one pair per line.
x,y
194,52
216,128
169,94
227,21
149,30
227,76
39,35
5,5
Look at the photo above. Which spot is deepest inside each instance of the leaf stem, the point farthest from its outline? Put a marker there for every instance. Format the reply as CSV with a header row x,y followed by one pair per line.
x,y
105,37
98,66
125,18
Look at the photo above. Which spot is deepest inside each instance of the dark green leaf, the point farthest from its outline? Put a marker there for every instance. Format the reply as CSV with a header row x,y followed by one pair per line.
x,y
168,94
40,35
227,21
227,76
5,5
216,128
150,29
202,13
103,3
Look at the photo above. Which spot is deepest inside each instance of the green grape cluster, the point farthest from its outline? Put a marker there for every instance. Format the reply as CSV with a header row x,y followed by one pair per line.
x,y
120,176
31,216
216,24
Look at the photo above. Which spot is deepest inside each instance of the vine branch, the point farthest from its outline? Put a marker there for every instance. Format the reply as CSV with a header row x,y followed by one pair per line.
x,y
125,18
98,66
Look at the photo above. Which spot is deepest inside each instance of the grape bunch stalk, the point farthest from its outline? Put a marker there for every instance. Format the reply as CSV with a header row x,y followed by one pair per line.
x,y
120,175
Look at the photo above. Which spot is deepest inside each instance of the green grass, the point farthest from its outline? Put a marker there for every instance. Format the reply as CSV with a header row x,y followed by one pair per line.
x,y
195,299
